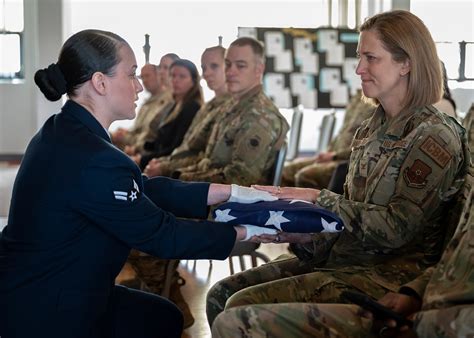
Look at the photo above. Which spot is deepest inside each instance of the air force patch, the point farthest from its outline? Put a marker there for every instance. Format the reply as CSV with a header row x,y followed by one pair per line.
x,y
131,195
415,176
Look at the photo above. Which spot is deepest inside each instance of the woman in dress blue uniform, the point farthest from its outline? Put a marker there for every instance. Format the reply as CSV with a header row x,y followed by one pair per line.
x,y
79,205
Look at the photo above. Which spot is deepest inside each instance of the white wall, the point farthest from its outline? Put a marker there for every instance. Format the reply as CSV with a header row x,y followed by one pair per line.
x,y
184,27
22,107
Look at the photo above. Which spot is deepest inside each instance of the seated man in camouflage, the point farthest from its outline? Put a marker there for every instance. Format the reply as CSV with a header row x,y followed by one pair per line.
x,y
159,98
439,301
315,172
196,138
243,144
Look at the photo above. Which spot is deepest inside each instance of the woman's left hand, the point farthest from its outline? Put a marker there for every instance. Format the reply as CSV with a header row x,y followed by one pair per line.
x,y
286,237
305,194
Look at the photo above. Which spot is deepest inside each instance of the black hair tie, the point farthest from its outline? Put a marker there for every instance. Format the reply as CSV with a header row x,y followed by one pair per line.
x,y
56,78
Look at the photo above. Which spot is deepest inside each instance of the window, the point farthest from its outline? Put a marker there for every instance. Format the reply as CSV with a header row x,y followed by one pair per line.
x,y
11,39
455,45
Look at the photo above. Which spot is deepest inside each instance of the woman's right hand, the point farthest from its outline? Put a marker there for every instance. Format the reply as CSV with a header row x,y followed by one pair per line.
x,y
247,195
292,193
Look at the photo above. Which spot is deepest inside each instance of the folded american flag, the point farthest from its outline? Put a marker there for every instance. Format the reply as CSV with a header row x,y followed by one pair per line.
x,y
283,215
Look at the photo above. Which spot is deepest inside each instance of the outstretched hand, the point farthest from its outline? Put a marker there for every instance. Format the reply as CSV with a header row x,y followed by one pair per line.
x,y
293,193
246,195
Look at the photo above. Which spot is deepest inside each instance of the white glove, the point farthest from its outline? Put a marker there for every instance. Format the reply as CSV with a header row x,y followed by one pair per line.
x,y
246,195
253,230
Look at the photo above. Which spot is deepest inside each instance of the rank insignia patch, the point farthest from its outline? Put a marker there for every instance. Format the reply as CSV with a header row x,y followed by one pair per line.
x,y
436,152
415,176
131,195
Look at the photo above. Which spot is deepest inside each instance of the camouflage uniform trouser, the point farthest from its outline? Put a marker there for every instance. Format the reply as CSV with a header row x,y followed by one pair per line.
x,y
292,320
251,312
308,174
291,280
222,290
316,176
151,271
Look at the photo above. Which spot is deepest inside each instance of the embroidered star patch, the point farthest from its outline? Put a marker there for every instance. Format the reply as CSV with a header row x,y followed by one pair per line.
x,y
131,195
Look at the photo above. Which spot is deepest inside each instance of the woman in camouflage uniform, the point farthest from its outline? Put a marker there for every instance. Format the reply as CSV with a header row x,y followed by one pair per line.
x,y
407,163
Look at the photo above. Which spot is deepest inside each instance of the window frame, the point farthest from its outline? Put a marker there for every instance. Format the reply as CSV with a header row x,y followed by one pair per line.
x,y
20,75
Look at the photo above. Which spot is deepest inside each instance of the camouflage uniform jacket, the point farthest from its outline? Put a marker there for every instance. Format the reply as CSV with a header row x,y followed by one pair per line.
x,y
243,144
401,173
448,289
196,138
147,113
356,112
468,123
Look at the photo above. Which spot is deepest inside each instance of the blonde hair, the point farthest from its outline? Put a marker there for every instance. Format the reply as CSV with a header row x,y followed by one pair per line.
x,y
406,37
219,49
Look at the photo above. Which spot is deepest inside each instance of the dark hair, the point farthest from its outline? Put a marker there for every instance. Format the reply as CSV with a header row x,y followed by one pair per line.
x,y
82,55
254,44
195,93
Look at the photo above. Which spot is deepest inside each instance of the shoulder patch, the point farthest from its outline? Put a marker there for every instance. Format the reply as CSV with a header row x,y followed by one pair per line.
x,y
415,176
436,152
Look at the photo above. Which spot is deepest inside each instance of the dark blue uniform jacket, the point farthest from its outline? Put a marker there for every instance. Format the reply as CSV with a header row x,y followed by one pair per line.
x,y
78,205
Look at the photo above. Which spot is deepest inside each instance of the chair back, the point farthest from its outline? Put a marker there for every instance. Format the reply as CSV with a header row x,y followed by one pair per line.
x,y
295,133
326,130
279,163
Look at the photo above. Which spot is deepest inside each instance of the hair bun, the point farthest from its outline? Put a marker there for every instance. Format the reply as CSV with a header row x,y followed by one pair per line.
x,y
51,82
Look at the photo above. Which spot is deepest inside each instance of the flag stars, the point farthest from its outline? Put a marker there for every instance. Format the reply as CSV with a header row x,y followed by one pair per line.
x,y
276,218
223,216
329,227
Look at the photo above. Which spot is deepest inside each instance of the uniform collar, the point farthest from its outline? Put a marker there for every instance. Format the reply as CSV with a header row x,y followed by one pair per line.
x,y
251,93
396,125
76,110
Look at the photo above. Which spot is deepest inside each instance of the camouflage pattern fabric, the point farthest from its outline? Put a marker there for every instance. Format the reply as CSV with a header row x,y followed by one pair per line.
x,y
147,113
290,170
398,184
222,290
243,144
468,123
357,111
310,174
402,173
151,271
292,320
316,175
447,289
196,138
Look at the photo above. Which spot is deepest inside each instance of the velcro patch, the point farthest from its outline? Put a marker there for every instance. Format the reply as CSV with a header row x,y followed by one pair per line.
x,y
436,152
415,176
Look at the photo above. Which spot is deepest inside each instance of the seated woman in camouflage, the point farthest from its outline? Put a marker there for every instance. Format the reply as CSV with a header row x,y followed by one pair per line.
x,y
407,163
439,301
